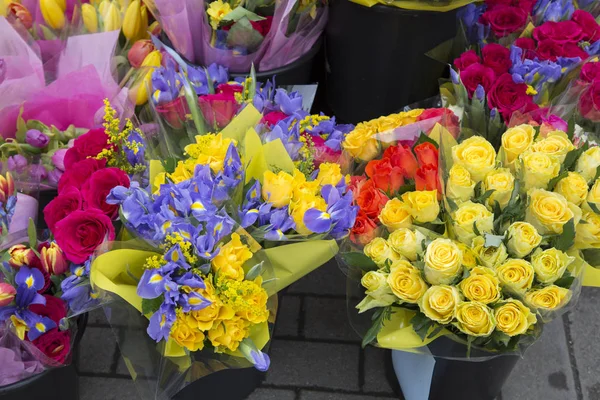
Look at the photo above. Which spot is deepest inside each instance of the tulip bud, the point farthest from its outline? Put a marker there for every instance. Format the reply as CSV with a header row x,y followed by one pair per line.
x,y
53,13
139,51
62,4
132,20
152,60
7,294
53,260
20,255
7,187
21,13
35,138
112,18
90,17
103,7
17,163
155,28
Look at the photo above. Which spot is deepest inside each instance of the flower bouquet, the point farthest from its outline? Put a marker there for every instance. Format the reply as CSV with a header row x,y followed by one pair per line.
x,y
268,34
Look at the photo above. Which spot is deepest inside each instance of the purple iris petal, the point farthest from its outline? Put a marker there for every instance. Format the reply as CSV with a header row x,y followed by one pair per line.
x,y
191,280
152,284
31,278
261,360
193,301
161,322
317,221
40,327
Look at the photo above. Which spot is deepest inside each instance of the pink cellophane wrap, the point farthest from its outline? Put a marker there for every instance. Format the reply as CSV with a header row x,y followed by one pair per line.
x,y
175,22
27,207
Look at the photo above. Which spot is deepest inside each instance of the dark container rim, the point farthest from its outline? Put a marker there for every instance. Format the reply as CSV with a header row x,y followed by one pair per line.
x,y
383,8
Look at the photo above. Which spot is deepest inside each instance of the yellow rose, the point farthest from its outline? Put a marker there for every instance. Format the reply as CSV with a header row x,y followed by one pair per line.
x,y
548,298
513,317
303,188
277,188
406,242
395,215
460,186
523,238
475,319
573,187
550,264
361,142
594,194
469,258
406,282
380,251
185,335
502,182
386,123
439,303
548,211
231,258
423,205
588,235
209,150
466,216
228,334
329,174
517,140
443,262
556,144
378,293
299,207
516,275
205,318
477,155
481,285
491,256
588,163
538,169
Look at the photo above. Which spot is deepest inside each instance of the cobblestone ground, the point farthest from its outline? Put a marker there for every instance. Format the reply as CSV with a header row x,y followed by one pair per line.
x,y
316,355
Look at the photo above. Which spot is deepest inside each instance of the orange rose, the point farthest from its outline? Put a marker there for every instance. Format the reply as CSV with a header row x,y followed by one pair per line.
x,y
427,154
371,200
385,176
364,230
402,157
427,179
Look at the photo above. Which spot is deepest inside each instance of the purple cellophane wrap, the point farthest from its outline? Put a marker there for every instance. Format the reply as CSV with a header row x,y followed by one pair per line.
x,y
17,359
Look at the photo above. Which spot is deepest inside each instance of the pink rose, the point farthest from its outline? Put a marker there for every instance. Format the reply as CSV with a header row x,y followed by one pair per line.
x,y
230,88
508,97
589,26
467,58
496,57
273,118
218,109
79,173
505,20
590,72
81,232
553,123
475,75
98,187
448,119
87,145
66,202
589,102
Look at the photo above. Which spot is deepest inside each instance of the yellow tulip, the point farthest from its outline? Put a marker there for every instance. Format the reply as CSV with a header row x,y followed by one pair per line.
x,y
53,14
143,32
151,61
4,7
62,4
132,21
90,17
112,18
103,7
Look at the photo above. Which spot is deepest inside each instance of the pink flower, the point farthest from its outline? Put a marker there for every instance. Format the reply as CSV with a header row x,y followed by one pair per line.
x,y
218,109
475,75
496,57
467,58
7,294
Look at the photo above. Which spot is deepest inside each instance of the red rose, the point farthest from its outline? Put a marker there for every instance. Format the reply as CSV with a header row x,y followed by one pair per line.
x,y
78,174
99,185
87,145
356,183
81,232
427,154
525,5
385,176
528,46
371,200
230,89
590,72
66,202
364,230
589,102
218,109
572,50
496,57
561,32
549,50
139,51
589,26
467,58
505,20
402,157
508,97
448,119
263,26
55,308
273,118
174,112
475,75
427,179
55,344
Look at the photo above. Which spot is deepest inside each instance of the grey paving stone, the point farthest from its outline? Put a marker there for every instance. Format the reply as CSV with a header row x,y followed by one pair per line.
x,y
545,372
584,326
327,318
288,315
313,395
310,364
272,394
327,279
96,350
92,388
376,360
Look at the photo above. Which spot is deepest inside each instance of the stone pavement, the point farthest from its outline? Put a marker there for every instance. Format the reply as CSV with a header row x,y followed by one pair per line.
x,y
316,355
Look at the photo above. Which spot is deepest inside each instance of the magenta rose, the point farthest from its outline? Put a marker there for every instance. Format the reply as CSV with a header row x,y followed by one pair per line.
x,y
549,50
174,112
230,89
81,232
79,173
477,74
263,26
589,26
218,109
497,57
572,50
87,145
99,185
66,202
526,5
508,97
55,308
528,46
273,118
589,102
505,20
467,58
590,72
55,344
560,32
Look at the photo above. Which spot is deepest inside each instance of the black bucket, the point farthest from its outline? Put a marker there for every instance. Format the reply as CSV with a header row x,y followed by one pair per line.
x,y
53,384
230,384
376,62
46,196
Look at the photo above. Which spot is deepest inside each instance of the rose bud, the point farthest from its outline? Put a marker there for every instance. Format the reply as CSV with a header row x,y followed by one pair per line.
x,y
139,51
21,13
35,138
7,294
21,255
53,260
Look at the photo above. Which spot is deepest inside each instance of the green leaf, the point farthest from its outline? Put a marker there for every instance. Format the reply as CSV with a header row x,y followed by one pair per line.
x,y
452,204
572,157
252,86
359,260
421,324
597,174
592,257
242,34
571,129
483,198
405,189
424,138
565,281
594,207
192,100
379,318
150,306
32,233
552,183
493,240
566,240
475,229
21,128
254,272
240,12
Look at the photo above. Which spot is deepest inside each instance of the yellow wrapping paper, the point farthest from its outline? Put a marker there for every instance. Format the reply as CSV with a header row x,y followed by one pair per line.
x,y
398,333
416,4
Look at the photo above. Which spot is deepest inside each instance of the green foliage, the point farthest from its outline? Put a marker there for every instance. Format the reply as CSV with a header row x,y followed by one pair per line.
x,y
566,239
358,260
150,306
592,257
379,317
